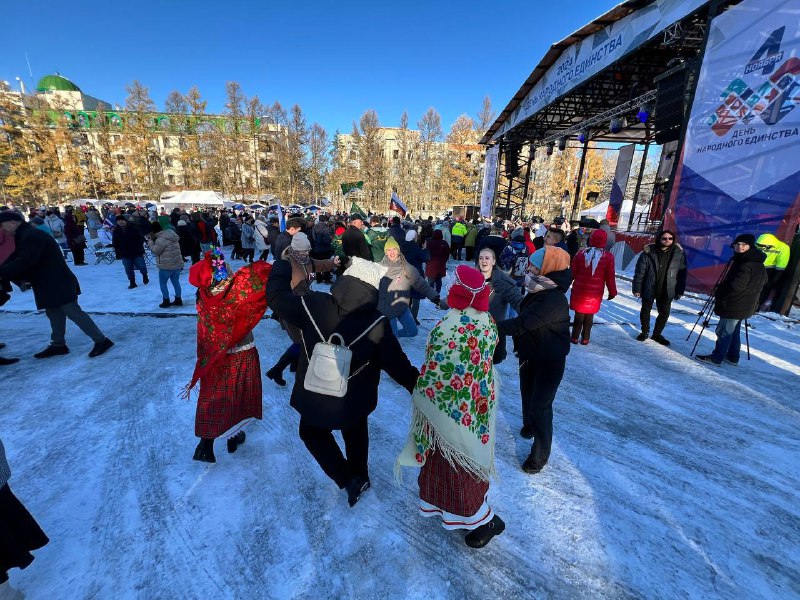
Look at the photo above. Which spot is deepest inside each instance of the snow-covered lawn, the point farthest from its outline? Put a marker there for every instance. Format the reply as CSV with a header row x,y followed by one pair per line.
x,y
669,478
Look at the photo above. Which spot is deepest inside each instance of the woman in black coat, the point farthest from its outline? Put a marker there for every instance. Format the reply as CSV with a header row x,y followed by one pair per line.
x,y
349,310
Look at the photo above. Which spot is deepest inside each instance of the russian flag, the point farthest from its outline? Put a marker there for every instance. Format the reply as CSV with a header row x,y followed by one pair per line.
x,y
281,218
397,205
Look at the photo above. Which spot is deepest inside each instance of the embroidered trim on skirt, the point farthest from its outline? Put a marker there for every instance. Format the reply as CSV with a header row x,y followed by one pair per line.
x,y
19,534
453,494
230,396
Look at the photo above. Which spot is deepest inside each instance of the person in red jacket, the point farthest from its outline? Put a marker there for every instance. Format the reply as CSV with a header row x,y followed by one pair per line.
x,y
436,267
593,269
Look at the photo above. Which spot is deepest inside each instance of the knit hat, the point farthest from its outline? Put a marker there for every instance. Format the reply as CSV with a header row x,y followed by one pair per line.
x,y
746,238
300,242
411,235
391,243
165,222
598,239
469,289
555,259
10,215
366,271
537,258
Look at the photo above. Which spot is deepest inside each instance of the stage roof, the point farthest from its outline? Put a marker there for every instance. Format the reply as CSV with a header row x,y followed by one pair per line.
x,y
609,62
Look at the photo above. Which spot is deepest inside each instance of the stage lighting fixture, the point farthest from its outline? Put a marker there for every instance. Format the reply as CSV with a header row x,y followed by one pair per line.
x,y
562,144
550,147
645,110
617,124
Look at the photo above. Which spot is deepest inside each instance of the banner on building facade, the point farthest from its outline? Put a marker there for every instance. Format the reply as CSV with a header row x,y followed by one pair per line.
x,y
489,180
620,183
740,168
587,58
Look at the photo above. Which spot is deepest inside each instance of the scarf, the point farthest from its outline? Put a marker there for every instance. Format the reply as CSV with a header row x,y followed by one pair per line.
x,y
301,256
226,313
538,283
455,397
592,256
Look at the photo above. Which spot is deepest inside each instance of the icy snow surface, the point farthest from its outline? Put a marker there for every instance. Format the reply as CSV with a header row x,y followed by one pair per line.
x,y
669,478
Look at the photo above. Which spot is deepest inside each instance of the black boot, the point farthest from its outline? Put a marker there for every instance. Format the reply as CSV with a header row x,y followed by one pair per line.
x,y
641,337
132,284
478,538
276,376
52,350
165,303
205,451
293,364
235,441
177,302
8,361
355,488
100,347
145,279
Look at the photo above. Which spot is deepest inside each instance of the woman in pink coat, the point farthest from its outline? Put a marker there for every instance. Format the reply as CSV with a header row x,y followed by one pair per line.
x,y
593,270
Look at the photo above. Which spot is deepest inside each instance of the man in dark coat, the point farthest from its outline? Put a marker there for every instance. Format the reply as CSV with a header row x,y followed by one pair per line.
x,y
354,242
349,310
736,299
38,261
322,245
541,337
396,231
416,257
661,277
284,239
129,244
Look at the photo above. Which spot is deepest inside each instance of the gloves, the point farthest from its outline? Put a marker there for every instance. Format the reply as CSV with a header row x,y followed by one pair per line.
x,y
443,304
436,300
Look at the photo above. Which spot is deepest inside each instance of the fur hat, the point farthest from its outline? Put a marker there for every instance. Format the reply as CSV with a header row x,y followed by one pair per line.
x,y
391,243
300,242
411,235
366,271
469,289
746,238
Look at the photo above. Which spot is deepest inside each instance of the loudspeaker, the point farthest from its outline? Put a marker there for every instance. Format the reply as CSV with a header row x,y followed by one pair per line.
x,y
511,160
671,102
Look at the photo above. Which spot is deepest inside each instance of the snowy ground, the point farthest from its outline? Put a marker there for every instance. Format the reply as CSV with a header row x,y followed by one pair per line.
x,y
668,478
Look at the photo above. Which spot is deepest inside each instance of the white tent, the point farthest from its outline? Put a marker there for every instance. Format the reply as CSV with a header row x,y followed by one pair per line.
x,y
599,212
196,198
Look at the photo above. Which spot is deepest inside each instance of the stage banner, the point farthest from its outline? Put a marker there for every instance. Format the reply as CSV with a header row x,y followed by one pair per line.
x,y
620,183
740,167
586,58
489,180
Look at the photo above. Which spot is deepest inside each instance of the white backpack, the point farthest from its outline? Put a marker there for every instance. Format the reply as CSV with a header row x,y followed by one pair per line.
x,y
329,364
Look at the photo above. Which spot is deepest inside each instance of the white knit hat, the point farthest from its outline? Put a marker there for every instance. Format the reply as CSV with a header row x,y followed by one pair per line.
x,y
411,235
300,242
367,271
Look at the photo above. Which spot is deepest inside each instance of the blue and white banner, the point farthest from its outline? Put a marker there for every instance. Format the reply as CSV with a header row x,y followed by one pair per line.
x,y
489,180
588,57
740,169
620,183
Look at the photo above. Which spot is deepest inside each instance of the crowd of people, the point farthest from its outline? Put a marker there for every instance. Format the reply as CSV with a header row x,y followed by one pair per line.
x,y
346,288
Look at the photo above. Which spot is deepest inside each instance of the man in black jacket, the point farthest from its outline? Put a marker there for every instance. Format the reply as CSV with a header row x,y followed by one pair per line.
x,y
349,310
284,238
736,299
38,261
541,336
129,244
661,277
354,242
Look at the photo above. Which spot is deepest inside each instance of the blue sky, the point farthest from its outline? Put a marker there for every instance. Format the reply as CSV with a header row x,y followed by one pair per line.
x,y
334,59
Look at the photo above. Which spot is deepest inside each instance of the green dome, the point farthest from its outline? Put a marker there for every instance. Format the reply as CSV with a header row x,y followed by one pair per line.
x,y
56,83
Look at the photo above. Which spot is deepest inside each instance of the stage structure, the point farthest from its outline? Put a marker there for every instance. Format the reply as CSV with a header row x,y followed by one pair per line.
x,y
627,78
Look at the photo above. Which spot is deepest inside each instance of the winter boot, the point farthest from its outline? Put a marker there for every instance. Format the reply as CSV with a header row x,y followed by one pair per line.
x,y
205,451
355,488
641,337
235,441
478,538
526,432
660,339
52,350
177,302
100,347
132,285
145,279
165,303
276,375
531,466
8,361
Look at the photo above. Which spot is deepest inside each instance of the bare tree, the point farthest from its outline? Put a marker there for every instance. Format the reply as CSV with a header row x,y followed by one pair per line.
x,y
485,116
371,160
318,160
430,166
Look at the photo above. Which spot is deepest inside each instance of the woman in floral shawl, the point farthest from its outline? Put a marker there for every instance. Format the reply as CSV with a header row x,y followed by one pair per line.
x,y
228,368
453,424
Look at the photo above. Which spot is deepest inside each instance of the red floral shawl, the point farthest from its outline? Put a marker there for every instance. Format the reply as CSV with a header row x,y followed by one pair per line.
x,y
223,319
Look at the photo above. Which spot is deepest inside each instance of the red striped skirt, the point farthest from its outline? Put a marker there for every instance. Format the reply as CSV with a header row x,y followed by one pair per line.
x,y
230,395
452,493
